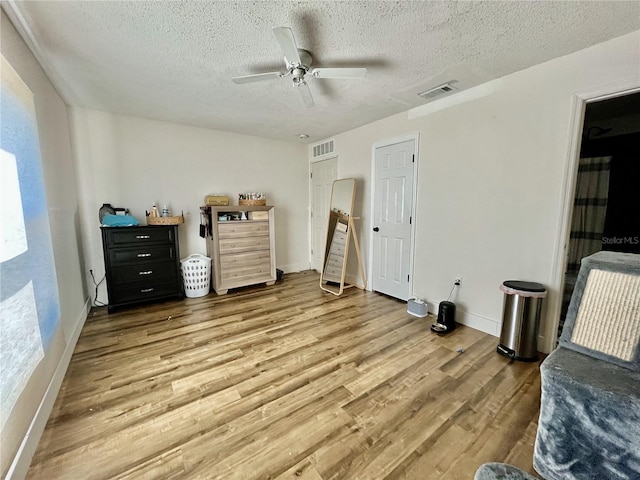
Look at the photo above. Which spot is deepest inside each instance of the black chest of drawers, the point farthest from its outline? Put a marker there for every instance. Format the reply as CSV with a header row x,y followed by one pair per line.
x,y
141,264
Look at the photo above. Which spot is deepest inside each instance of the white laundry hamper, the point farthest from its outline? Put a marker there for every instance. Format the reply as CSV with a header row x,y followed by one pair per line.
x,y
196,273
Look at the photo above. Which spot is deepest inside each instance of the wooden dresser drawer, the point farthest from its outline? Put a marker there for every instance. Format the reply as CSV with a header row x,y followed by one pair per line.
x,y
246,244
241,229
141,253
138,272
139,236
245,259
246,272
335,261
332,274
339,238
337,249
143,291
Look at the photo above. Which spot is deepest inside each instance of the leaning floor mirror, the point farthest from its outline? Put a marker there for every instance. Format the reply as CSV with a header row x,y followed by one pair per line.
x,y
340,230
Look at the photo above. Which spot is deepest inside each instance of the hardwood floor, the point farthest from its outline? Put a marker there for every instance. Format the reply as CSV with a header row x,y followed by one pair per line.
x,y
285,382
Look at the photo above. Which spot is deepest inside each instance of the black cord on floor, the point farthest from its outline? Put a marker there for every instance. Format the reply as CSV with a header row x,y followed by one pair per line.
x,y
96,302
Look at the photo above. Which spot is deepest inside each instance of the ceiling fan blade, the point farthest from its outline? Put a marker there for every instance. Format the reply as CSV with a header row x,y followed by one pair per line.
x,y
258,77
339,72
305,93
284,36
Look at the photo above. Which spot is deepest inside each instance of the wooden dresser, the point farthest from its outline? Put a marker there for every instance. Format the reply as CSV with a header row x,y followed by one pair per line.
x,y
242,250
141,264
336,246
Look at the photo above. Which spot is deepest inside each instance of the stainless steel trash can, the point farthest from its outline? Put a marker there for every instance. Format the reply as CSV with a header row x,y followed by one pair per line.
x,y
520,319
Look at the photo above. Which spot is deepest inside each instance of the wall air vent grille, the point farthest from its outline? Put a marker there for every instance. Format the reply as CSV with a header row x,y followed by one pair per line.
x,y
322,149
437,91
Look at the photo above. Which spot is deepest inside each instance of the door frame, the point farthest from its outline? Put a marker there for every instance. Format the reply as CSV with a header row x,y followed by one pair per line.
x,y
309,210
415,136
579,101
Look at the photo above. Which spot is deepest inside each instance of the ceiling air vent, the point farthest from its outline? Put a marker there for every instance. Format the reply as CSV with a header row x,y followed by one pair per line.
x,y
437,91
323,149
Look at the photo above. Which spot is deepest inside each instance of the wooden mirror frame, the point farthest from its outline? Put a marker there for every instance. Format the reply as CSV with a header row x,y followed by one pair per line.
x,y
340,229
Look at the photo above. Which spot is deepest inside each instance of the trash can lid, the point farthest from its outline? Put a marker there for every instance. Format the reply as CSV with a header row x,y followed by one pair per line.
x,y
524,286
525,289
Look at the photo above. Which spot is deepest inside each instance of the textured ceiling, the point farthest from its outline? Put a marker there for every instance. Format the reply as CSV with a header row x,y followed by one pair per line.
x,y
174,60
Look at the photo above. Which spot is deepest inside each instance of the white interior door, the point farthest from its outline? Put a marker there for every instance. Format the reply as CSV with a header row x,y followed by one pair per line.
x,y
323,173
392,210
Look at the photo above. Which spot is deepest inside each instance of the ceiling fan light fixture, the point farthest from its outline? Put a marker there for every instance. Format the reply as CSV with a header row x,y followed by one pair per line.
x,y
298,73
302,136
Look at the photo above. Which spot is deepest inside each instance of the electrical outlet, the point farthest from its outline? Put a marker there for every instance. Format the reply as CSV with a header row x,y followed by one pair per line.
x,y
458,281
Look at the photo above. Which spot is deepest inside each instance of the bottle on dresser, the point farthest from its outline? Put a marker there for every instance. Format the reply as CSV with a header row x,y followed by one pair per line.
x,y
154,211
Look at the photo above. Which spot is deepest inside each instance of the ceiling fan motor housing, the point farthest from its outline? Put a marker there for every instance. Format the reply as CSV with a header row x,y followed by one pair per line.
x,y
305,60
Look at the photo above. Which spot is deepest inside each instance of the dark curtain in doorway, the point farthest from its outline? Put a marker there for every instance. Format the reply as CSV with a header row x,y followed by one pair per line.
x,y
587,221
589,209
621,231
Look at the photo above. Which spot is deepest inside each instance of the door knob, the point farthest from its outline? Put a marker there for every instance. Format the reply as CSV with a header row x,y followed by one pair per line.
x,y
376,229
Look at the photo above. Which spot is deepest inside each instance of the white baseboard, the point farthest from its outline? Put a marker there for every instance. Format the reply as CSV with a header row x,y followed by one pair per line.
x,y
22,460
483,324
473,320
294,267
353,280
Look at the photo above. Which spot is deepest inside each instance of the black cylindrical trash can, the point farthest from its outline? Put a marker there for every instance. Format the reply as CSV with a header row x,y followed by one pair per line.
x,y
520,319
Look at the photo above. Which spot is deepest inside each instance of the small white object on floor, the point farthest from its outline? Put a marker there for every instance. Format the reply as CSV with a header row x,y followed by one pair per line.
x,y
460,350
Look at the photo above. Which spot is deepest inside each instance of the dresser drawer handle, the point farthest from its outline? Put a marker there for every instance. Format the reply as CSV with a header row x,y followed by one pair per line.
x,y
143,236
144,255
148,272
146,290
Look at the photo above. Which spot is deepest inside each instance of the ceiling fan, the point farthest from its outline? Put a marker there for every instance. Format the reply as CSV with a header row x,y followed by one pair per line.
x,y
298,62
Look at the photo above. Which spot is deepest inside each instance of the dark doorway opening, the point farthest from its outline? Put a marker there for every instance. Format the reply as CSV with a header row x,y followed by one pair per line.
x,y
606,209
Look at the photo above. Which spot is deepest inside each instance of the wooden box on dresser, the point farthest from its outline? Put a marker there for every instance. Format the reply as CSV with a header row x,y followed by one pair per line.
x,y
242,251
141,264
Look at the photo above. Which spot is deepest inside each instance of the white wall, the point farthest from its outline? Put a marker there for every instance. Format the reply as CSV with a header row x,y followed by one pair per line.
x,y
133,162
491,179
35,403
